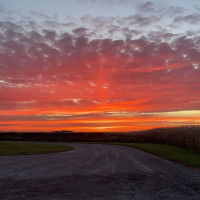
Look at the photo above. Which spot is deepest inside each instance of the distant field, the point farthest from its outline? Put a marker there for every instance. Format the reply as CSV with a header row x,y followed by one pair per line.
x,y
173,153
7,149
186,136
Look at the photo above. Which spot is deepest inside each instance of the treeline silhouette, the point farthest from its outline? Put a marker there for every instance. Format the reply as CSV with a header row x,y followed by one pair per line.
x,y
185,136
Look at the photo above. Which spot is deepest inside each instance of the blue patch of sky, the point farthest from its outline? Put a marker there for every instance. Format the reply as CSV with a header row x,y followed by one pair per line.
x,y
78,8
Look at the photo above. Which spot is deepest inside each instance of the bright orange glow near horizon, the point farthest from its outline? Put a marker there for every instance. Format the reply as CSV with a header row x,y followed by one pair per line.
x,y
122,72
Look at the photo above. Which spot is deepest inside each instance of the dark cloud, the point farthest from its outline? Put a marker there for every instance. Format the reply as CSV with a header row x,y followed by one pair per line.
x,y
51,24
50,34
80,31
147,7
141,20
191,19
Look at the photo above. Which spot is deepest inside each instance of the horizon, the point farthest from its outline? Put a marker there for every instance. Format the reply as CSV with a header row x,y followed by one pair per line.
x,y
99,66
185,127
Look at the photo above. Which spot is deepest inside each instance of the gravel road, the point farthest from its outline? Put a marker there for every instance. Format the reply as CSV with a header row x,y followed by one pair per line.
x,y
96,171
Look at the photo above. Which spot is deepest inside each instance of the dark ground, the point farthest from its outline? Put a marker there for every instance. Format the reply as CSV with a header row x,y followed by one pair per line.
x,y
96,171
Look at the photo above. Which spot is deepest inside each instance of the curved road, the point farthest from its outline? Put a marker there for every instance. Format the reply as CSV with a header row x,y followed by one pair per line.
x,y
96,171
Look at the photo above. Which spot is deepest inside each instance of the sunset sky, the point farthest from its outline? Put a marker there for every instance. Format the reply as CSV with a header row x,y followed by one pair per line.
x,y
99,65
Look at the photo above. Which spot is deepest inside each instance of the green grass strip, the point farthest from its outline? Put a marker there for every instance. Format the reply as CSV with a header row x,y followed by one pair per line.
x,y
8,149
168,152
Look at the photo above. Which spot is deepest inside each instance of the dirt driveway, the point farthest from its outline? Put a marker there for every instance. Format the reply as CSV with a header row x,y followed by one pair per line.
x,y
96,171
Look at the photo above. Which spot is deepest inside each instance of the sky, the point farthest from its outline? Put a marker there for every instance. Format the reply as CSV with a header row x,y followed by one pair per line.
x,y
99,65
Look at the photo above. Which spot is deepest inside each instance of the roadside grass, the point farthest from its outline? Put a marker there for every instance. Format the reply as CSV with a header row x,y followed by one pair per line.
x,y
177,154
8,149
173,153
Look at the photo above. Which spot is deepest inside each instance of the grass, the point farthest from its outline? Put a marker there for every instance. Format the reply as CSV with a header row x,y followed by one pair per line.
x,y
177,154
8,149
